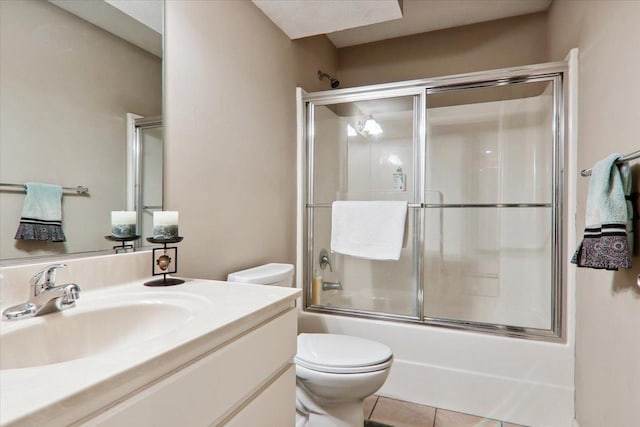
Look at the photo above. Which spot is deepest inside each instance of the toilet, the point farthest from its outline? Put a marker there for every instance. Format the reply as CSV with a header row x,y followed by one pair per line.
x,y
334,373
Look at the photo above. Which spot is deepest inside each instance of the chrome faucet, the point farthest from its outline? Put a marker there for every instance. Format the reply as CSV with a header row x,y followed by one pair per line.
x,y
325,260
44,296
329,286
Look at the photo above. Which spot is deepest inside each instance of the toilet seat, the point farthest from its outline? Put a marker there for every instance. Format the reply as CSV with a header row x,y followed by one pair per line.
x,y
341,354
341,370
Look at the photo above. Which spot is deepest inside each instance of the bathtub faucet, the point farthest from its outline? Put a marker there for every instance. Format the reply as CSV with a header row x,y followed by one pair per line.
x,y
328,286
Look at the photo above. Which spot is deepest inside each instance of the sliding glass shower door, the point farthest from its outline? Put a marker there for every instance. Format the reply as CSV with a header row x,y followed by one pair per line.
x,y
489,191
149,147
479,161
364,150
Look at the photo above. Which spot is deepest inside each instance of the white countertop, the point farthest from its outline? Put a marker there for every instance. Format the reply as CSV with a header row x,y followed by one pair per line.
x,y
62,393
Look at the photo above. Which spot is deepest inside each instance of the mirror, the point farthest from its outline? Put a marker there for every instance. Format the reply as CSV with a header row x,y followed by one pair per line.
x,y
75,78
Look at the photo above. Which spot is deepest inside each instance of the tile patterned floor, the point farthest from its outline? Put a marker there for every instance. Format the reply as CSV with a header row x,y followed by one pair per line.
x,y
398,413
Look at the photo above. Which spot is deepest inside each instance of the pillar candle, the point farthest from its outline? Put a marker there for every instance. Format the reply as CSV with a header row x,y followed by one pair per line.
x,y
123,223
165,225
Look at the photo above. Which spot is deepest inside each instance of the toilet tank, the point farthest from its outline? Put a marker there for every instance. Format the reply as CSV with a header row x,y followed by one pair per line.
x,y
273,274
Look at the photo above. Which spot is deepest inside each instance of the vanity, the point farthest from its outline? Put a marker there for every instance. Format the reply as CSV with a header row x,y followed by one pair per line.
x,y
202,353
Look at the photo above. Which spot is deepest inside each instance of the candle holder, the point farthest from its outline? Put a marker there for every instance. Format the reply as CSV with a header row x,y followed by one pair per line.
x,y
162,261
123,246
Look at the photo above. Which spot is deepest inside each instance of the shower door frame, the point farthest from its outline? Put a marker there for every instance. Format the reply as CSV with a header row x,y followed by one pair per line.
x,y
555,73
141,124
419,162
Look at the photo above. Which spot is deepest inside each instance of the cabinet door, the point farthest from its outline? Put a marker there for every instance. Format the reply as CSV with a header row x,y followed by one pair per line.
x,y
275,406
212,388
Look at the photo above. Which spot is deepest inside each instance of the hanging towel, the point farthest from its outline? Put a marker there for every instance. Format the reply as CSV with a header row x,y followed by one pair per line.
x,y
605,244
42,213
627,187
371,230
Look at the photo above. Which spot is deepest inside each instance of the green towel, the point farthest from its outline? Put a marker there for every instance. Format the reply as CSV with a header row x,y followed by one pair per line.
x,y
42,213
607,235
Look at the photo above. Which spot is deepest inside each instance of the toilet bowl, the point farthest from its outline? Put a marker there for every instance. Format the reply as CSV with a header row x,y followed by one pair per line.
x,y
334,373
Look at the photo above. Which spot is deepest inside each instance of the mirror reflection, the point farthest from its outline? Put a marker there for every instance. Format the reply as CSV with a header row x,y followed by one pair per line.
x,y
80,105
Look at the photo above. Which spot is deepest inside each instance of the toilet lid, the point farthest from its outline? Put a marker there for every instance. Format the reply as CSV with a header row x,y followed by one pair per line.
x,y
341,353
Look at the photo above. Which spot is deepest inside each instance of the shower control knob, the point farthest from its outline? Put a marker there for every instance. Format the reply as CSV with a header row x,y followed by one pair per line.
x,y
325,260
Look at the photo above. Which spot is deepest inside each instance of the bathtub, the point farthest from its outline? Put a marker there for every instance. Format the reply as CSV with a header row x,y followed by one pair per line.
x,y
517,380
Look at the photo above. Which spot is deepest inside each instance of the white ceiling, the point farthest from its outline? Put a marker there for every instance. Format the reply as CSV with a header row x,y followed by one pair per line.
x,y
137,21
346,22
302,18
147,12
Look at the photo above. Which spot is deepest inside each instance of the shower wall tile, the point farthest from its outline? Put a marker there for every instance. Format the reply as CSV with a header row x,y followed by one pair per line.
x,y
329,136
358,167
385,159
491,152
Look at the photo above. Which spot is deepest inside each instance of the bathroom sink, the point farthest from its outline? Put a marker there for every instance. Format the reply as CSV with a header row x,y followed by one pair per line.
x,y
94,327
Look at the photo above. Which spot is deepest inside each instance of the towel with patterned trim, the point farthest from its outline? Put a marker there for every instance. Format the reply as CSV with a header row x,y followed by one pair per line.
x,y
42,213
607,233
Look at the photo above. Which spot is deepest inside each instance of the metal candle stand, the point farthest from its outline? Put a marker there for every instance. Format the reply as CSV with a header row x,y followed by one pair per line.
x,y
163,261
123,246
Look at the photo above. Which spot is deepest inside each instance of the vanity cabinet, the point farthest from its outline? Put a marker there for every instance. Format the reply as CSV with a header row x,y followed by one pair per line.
x,y
248,380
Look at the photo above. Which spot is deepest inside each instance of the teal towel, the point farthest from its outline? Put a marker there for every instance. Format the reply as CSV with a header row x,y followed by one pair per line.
x,y
606,242
627,188
42,213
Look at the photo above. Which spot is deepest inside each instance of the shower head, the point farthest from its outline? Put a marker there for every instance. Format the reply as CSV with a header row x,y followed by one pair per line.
x,y
334,82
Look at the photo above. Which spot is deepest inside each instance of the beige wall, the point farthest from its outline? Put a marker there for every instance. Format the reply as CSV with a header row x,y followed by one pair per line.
x,y
608,303
230,117
485,46
310,55
65,89
230,129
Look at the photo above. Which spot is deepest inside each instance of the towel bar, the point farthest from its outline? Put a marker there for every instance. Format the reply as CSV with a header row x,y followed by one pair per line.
x,y
328,205
630,156
79,189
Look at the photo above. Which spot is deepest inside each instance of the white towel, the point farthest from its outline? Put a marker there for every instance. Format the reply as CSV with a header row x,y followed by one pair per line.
x,y
371,230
